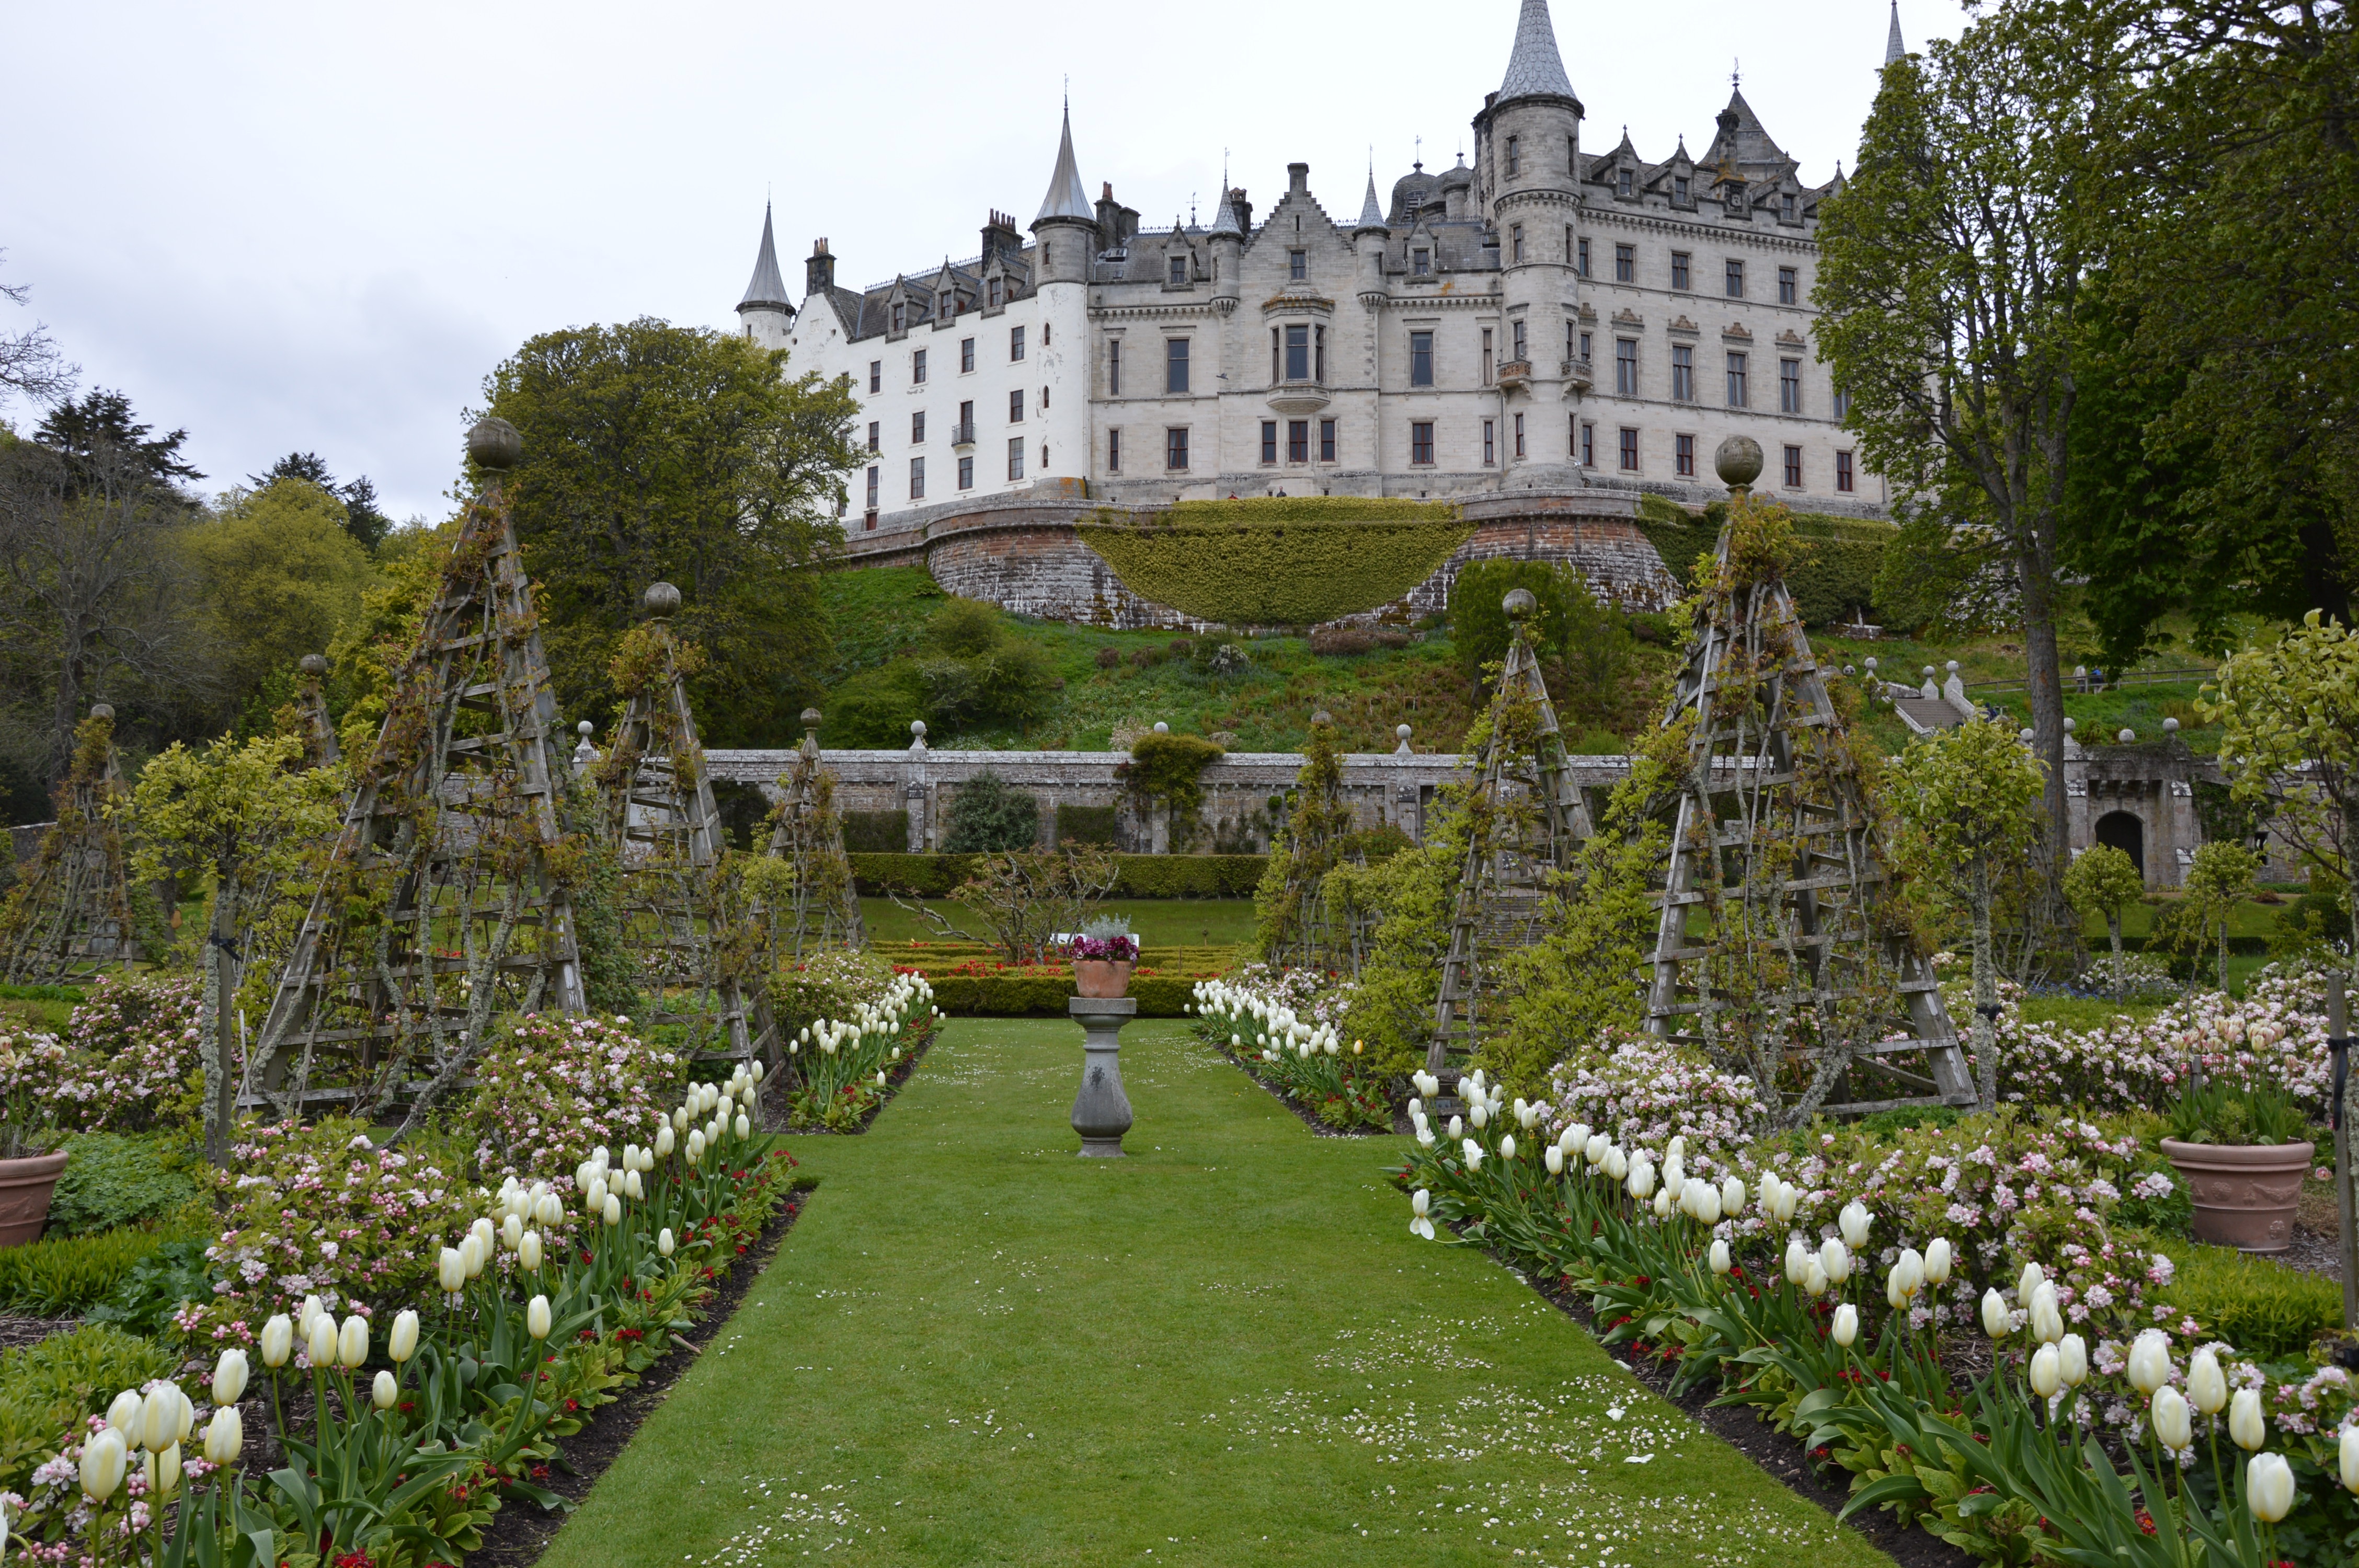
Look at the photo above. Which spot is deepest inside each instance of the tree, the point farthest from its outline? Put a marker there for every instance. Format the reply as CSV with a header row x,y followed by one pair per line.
x,y
100,427
241,816
1024,899
277,573
989,813
362,519
1950,284
969,673
1965,797
2104,882
30,365
660,452
2220,879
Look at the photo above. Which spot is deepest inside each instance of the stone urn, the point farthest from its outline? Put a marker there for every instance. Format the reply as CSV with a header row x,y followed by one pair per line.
x,y
1100,1111
2244,1194
1103,978
25,1188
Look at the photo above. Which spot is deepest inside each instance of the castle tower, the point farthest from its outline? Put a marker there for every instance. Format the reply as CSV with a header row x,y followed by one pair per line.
x,y
765,310
1528,156
1065,235
1226,239
1893,48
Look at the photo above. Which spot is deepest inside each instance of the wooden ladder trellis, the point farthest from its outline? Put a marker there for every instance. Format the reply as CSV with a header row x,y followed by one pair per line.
x,y
1525,814
807,834
319,747
69,916
657,810
440,910
1796,971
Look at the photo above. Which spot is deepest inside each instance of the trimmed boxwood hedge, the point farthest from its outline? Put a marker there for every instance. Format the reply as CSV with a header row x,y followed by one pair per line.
x,y
1137,876
1008,996
877,832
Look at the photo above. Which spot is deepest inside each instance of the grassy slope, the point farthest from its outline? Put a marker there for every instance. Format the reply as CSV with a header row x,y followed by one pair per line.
x,y
1226,1349
1158,922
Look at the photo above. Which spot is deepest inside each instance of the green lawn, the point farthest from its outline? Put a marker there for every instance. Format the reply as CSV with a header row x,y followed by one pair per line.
x,y
1226,1349
1160,922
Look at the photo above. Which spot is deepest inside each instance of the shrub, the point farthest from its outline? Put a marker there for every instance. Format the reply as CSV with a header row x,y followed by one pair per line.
x,y
1135,876
69,1274
1836,575
112,1181
1109,658
1086,825
134,1058
550,1089
835,982
877,832
50,1388
988,813
160,1287
2257,1304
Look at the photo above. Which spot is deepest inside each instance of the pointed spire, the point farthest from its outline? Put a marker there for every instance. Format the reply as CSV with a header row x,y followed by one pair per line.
x,y
1535,69
1067,198
1224,217
1372,215
1893,48
769,289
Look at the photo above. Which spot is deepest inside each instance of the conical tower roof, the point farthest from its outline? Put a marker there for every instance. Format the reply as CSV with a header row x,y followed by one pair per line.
x,y
769,287
1893,48
1372,212
1067,198
1535,70
1224,218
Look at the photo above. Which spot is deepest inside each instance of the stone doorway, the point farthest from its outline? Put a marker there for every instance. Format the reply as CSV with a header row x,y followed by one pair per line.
x,y
2125,831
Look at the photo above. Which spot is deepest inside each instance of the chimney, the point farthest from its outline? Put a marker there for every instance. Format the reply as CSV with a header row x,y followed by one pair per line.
x,y
1298,179
1245,208
819,272
1109,212
1001,236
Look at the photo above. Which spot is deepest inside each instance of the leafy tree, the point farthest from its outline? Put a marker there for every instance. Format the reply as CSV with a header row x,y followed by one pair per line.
x,y
654,451
242,817
102,428
1965,797
368,648
1587,636
277,573
362,519
2104,882
2220,879
1950,284
30,365
989,813
969,673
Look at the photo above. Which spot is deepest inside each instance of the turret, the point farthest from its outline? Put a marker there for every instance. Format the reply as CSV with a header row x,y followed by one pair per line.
x,y
1369,238
766,311
1065,235
1066,227
1226,239
1528,176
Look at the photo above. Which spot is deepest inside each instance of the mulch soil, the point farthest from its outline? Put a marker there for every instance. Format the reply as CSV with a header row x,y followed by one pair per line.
x,y
520,1532
16,1332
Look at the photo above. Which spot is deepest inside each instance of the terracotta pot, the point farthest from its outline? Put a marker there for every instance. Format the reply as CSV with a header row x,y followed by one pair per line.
x,y
25,1189
2245,1194
1102,977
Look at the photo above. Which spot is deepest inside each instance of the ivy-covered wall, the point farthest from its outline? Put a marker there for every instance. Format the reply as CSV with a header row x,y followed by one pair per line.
x,y
1833,582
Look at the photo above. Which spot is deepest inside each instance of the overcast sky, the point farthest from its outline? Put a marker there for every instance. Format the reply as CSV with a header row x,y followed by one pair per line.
x,y
319,226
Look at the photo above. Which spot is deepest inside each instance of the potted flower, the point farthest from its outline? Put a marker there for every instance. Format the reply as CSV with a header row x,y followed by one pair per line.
x,y
29,1164
2243,1153
1103,955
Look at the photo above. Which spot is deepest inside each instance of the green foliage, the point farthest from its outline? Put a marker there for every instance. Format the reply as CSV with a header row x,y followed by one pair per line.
x,y
277,573
1135,876
2257,1304
112,1180
1835,576
988,813
970,673
1086,825
874,614
2218,1111
2103,883
1392,1009
1169,769
1278,561
49,1388
158,1287
68,994
686,455
66,1276
877,832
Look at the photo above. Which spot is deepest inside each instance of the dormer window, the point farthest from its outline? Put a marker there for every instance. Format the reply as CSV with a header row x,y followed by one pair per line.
x,y
991,292
900,317
1178,272
1515,156
1789,209
1679,188
1622,183
1420,263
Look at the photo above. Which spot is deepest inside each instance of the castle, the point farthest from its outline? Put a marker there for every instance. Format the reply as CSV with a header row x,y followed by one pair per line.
x,y
1540,335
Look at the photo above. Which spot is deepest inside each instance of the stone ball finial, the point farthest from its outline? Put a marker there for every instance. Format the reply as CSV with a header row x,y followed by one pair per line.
x,y
2126,736
1161,727
1871,663
661,598
2025,735
1400,731
1953,666
1520,604
1737,461
2068,724
102,710
2171,726
1322,716
810,718
1929,671
312,665
583,728
917,729
494,444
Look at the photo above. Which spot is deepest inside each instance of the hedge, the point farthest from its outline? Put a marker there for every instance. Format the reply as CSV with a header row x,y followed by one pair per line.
x,y
877,832
2255,1303
1835,579
1281,560
1135,876
1007,996
1085,825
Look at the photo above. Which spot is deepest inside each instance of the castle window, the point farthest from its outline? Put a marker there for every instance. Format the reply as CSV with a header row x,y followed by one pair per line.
x,y
991,294
1683,456
1679,188
1682,374
1175,448
1842,472
1297,440
1114,367
1015,456
1044,400
1326,440
917,479
872,435
1298,353
1519,435
1420,359
1175,365
875,375
1178,272
1269,440
1788,207
1044,343
1842,403
1568,243
1016,406
1588,445
1629,451
1584,347
1680,278
967,356
966,473
1113,452
918,367
900,317
1421,263
1626,264
1787,289
1488,377
918,429
1420,442
1622,183
1490,458
1515,156
1790,386
1736,376
1298,265
1517,329
1793,467
1735,278
964,434
873,470
1580,259
1515,241
1625,367
1014,345
1319,354
1570,340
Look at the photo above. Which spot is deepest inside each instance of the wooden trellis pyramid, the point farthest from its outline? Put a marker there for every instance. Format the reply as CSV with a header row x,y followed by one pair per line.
x,y
319,747
1525,818
807,833
1316,930
1777,951
656,808
70,914
439,911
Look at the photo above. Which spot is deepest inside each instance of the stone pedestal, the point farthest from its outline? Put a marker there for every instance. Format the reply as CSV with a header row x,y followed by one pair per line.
x,y
1101,1111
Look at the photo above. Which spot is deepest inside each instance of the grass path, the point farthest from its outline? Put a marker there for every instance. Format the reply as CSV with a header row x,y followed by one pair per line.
x,y
1227,1349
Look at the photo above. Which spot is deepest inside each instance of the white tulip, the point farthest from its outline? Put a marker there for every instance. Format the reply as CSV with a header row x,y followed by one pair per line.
x,y
103,1460
2173,1427
383,1391
1718,1257
664,1141
2346,1456
225,1436
1479,1113
1853,1222
632,1187
2046,1371
1642,1178
2246,1424
230,1374
2073,1360
1707,1202
1936,1261
2149,1361
159,1420
1662,1204
352,1342
1474,1153
310,1309
2268,1486
551,1211
536,1317
512,1231
2047,1323
402,1343
1574,1139
2207,1388
1507,1147
613,1209
1731,1198
323,1344
1616,1165
1596,1148
1846,1326
1421,1202
1835,1259
470,1255
1797,1261
743,1127
664,1242
277,1340
528,1252
1553,1158
1995,1321
593,1196
2028,1282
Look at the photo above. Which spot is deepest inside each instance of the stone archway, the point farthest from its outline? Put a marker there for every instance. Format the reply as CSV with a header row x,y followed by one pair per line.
x,y
2125,831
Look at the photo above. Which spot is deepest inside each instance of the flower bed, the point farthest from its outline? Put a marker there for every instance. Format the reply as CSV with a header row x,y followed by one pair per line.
x,y
842,1069
1298,1052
